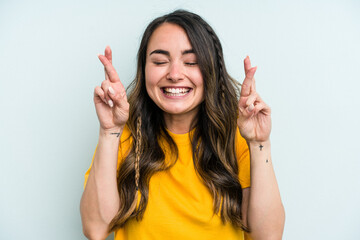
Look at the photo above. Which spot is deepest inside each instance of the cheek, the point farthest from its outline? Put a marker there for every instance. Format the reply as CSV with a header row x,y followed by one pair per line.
x,y
151,76
148,77
198,79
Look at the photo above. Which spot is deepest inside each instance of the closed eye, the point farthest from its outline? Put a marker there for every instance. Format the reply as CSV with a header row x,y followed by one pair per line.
x,y
159,63
191,63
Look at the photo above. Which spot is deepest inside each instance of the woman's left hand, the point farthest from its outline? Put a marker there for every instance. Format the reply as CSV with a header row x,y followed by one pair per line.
x,y
254,119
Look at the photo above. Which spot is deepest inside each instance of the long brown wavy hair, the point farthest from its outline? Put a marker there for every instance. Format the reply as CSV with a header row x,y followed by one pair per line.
x,y
213,141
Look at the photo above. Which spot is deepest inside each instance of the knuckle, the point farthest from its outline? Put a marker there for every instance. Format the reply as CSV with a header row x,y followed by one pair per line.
x,y
104,84
97,90
122,94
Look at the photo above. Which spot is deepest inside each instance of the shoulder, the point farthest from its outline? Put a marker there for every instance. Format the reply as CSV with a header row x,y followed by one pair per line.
x,y
240,143
126,134
243,159
125,144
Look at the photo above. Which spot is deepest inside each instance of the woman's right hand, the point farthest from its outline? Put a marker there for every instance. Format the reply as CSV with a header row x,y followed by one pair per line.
x,y
112,107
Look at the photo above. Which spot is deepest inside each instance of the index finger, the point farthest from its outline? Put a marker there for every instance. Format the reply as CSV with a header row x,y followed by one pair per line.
x,y
108,55
109,69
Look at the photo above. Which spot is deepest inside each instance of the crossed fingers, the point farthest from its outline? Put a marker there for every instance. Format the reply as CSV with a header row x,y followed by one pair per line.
x,y
112,91
250,102
248,86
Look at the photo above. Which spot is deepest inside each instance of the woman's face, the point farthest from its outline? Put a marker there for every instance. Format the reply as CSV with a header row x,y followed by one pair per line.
x,y
173,78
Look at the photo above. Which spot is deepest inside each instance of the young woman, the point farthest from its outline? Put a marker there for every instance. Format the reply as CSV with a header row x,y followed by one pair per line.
x,y
173,158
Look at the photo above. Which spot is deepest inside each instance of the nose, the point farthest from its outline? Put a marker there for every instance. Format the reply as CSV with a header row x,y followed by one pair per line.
x,y
175,72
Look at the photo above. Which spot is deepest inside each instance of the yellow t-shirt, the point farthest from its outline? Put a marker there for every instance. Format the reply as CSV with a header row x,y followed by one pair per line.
x,y
179,205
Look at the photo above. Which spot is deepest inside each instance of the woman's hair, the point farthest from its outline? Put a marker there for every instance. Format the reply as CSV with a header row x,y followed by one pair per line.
x,y
213,141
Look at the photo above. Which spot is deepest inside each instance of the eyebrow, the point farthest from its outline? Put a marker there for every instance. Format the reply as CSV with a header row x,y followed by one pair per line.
x,y
160,51
187,51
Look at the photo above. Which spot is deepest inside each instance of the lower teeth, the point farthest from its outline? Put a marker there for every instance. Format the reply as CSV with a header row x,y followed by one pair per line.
x,y
175,94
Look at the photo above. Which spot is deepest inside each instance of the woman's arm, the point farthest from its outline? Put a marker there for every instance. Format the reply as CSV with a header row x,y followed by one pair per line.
x,y
265,215
100,200
263,209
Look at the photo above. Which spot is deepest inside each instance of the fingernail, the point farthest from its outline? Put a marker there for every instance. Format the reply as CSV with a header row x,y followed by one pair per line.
x,y
111,104
251,107
111,90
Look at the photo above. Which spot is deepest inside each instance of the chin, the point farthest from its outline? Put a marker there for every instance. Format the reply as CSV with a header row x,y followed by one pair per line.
x,y
180,110
175,111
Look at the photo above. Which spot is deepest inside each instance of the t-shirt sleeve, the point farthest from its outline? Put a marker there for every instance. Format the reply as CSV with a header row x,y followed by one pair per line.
x,y
243,158
124,148
88,171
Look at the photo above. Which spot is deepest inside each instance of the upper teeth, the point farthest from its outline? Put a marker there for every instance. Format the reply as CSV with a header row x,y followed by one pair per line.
x,y
176,90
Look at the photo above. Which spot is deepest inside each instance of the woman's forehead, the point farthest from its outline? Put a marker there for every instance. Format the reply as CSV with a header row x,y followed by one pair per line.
x,y
169,36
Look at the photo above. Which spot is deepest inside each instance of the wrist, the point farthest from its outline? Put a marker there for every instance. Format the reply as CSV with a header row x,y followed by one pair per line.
x,y
111,132
258,144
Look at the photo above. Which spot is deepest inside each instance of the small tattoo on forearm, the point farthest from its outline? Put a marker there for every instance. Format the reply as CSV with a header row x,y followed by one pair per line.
x,y
261,147
267,160
117,134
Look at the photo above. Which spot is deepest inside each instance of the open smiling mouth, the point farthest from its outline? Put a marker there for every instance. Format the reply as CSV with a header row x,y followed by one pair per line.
x,y
176,92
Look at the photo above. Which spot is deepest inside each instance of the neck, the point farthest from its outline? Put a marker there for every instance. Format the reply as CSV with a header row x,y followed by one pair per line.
x,y
179,124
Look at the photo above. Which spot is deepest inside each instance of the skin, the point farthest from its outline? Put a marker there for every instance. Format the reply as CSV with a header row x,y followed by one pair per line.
x,y
262,209
100,200
170,63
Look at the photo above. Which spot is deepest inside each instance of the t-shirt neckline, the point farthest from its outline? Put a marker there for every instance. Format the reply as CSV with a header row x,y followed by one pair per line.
x,y
181,138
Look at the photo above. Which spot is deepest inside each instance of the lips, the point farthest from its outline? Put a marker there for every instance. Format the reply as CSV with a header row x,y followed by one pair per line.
x,y
175,92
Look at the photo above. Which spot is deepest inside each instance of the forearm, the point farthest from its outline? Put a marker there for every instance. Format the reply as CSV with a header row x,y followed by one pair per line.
x,y
100,200
266,214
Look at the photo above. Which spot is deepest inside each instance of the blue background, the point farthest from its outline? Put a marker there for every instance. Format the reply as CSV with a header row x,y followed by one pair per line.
x,y
307,53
